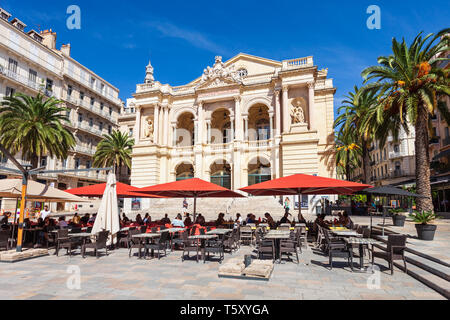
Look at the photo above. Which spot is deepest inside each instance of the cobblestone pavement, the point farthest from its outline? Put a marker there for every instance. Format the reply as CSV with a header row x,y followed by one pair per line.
x,y
118,277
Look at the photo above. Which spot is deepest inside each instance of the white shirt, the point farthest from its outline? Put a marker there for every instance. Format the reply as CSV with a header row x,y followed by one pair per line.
x,y
45,213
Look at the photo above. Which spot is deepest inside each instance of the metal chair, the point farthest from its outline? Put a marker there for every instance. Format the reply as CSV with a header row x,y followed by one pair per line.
x,y
161,245
4,237
64,241
215,247
264,246
337,248
288,246
246,235
99,243
395,251
134,242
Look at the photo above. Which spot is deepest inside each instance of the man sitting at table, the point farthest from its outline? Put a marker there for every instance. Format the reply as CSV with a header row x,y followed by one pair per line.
x,y
85,219
187,220
200,219
62,223
178,222
166,219
220,220
269,220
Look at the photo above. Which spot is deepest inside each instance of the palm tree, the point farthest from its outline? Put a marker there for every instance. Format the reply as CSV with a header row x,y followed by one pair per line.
x,y
35,127
348,153
114,151
408,84
352,116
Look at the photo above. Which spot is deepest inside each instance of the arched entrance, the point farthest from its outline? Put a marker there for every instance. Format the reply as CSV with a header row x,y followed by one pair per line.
x,y
259,171
221,173
184,171
185,130
259,123
221,127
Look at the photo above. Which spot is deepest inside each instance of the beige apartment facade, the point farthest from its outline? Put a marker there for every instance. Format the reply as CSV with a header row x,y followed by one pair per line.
x,y
30,63
244,121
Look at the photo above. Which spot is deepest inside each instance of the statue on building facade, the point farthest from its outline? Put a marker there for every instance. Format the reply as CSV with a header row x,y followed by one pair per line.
x,y
219,71
149,129
297,113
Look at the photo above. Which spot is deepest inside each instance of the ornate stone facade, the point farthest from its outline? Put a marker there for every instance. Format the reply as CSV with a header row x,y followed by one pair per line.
x,y
245,120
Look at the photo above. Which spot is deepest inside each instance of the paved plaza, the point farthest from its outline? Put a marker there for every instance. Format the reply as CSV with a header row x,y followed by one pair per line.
x,y
118,277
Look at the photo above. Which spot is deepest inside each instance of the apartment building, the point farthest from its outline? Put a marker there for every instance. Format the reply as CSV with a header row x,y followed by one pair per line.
x,y
31,63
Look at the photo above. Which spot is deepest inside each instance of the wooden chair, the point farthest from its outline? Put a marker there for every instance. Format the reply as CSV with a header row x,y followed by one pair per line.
x,y
395,250
264,246
99,243
161,245
336,247
64,241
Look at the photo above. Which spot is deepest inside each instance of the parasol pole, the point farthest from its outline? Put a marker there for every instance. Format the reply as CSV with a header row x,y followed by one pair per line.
x,y
195,206
22,212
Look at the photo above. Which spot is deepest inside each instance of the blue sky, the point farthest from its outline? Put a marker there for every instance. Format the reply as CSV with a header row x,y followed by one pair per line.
x,y
117,38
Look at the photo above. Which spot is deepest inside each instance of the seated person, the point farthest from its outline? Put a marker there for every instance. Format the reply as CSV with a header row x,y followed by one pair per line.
x,y
285,219
166,219
269,220
139,220
187,220
76,218
200,219
125,218
147,218
62,223
178,222
220,220
346,221
4,220
85,219
92,219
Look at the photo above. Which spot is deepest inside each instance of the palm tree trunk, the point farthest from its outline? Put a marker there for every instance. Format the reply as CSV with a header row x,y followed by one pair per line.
x,y
423,186
347,167
366,162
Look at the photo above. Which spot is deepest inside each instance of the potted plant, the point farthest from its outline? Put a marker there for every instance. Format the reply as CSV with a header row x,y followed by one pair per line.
x,y
425,230
398,217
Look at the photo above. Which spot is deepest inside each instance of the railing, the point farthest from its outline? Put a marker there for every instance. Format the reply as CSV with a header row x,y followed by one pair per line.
x,y
221,146
259,144
397,154
88,128
23,80
297,63
86,150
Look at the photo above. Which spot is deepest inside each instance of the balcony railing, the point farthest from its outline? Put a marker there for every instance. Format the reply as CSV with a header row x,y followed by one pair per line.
x,y
397,154
297,63
86,150
23,80
259,144
86,127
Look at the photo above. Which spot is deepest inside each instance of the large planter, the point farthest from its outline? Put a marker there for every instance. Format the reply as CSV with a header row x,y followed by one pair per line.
x,y
426,231
398,220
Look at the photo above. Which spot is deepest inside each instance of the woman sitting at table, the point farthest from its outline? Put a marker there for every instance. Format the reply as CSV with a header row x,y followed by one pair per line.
x,y
139,220
147,218
200,220
178,222
269,220
76,219
285,219
346,221
62,223
220,220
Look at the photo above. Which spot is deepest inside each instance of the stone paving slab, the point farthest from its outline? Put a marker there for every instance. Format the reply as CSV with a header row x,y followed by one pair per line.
x,y
118,277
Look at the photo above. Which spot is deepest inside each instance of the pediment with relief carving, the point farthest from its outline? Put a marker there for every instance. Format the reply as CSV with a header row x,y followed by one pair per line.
x,y
219,76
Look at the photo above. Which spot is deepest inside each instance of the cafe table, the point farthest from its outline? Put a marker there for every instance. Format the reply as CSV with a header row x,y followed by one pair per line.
x,y
202,238
276,236
346,233
361,242
83,235
145,237
171,230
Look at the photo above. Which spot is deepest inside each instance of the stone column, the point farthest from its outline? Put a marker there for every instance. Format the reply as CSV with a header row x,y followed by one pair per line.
x,y
312,125
286,113
201,122
208,124
174,135
156,124
196,136
238,113
166,126
246,128
277,113
137,126
271,125
232,128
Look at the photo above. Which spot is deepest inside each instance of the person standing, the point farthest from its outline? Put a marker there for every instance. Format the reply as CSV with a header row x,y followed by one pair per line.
x,y
44,213
185,206
287,205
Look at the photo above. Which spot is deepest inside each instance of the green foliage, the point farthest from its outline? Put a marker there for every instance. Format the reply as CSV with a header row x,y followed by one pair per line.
x,y
35,127
423,217
114,150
